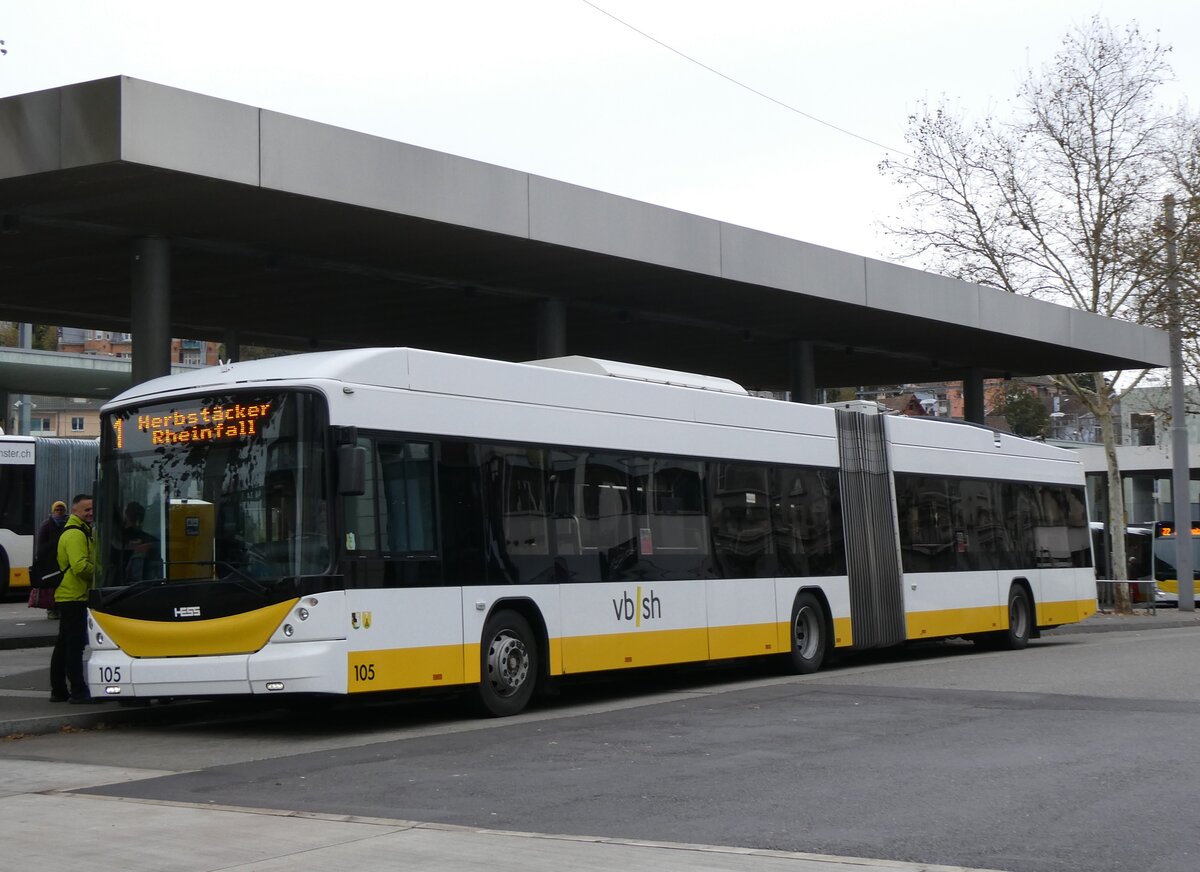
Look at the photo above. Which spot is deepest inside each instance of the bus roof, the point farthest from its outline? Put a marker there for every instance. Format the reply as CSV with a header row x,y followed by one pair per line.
x,y
580,383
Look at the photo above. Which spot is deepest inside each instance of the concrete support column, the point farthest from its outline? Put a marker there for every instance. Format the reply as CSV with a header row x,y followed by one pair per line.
x,y
802,374
233,345
24,422
973,410
150,308
552,329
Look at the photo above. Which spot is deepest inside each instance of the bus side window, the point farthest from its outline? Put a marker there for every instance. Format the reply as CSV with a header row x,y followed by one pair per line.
x,y
406,497
741,520
807,522
675,506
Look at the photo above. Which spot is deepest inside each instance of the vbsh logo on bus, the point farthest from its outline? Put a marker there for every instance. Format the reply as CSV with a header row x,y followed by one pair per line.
x,y
637,608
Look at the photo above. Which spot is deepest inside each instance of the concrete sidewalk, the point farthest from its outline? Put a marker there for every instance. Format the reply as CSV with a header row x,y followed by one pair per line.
x,y
23,627
36,795
153,835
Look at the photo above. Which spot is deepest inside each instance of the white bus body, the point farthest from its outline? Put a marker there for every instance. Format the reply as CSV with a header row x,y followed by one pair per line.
x,y
551,447
34,472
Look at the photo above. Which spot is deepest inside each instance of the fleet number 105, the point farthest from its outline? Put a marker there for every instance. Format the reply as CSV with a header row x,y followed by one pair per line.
x,y
364,672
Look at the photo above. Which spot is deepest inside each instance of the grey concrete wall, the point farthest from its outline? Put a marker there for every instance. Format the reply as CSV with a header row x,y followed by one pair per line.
x,y
124,119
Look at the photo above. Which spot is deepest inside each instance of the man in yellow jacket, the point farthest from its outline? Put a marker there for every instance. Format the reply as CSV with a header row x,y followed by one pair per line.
x,y
77,560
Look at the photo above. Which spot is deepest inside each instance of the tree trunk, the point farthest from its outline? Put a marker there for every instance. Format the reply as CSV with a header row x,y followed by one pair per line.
x,y
1116,509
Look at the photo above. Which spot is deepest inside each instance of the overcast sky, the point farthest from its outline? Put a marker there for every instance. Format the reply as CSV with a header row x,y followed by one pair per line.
x,y
558,88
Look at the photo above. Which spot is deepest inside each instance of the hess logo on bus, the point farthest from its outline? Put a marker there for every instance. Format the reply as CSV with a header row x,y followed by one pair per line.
x,y
638,607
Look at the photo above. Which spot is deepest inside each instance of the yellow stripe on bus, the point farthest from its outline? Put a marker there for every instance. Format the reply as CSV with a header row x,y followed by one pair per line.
x,y
987,619
747,640
446,665
843,635
402,668
956,622
628,650
1064,613
235,634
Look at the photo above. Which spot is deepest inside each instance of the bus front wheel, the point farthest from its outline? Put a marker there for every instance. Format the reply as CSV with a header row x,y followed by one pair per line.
x,y
809,637
508,665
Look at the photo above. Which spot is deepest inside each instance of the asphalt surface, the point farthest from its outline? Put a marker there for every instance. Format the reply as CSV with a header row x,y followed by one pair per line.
x,y
26,637
322,822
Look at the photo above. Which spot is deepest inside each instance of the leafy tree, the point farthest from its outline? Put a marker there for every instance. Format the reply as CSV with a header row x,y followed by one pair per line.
x,y
1056,202
257,352
839,395
1025,412
45,337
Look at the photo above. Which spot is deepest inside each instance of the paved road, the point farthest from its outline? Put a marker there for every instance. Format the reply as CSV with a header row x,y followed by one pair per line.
x,y
1062,757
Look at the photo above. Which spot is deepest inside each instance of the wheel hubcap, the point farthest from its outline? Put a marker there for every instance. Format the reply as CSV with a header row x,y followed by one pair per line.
x,y
806,633
507,663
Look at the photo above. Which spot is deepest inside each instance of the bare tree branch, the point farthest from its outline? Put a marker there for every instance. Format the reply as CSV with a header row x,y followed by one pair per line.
x,y
1062,200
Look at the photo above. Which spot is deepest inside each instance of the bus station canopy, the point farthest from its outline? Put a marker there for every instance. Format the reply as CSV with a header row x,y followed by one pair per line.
x,y
290,233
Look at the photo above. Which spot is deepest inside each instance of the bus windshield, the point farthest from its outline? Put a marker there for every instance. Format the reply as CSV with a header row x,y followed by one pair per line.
x,y
219,486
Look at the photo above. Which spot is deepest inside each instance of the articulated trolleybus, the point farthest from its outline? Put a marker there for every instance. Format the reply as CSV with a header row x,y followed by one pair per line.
x,y
388,519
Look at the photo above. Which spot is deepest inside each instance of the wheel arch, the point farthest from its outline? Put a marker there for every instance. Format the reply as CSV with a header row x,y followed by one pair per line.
x,y
819,593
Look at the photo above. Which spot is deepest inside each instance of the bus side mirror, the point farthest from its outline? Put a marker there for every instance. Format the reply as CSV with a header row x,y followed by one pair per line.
x,y
352,470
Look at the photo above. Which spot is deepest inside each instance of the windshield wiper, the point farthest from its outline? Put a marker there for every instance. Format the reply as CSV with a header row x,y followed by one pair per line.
x,y
110,596
239,577
245,580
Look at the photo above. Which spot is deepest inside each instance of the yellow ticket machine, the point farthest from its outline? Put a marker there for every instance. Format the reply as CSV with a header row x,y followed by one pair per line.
x,y
191,542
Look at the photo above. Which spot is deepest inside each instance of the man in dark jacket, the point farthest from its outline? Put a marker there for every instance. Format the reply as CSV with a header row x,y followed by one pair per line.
x,y
45,558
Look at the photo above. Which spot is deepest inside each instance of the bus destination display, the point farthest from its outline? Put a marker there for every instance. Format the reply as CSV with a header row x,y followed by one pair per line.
x,y
203,424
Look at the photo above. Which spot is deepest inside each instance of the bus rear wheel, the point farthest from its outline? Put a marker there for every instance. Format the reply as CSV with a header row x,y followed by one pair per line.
x,y
1020,624
809,637
1020,620
508,665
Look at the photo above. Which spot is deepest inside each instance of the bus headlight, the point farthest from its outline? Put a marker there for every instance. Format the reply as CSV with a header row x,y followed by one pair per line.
x,y
288,629
302,614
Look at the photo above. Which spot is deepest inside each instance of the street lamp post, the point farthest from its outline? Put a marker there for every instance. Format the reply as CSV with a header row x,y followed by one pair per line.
x,y
1180,472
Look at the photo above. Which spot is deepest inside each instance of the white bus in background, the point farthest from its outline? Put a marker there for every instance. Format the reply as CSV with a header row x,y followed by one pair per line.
x,y
390,519
34,472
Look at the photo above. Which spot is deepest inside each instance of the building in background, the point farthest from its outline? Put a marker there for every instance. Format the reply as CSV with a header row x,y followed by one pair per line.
x,y
109,343
74,417
66,417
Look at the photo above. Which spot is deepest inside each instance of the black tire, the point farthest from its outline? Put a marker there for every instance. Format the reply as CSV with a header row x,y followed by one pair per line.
x,y
1020,621
809,634
508,665
4,577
